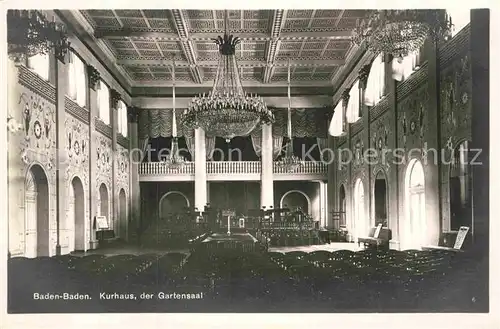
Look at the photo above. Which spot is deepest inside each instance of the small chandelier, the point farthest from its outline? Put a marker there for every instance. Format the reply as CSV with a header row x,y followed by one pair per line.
x,y
227,111
400,32
289,162
175,161
30,33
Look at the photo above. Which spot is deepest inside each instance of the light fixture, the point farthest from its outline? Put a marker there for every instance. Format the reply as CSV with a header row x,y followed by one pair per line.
x,y
227,111
289,162
400,32
175,161
30,33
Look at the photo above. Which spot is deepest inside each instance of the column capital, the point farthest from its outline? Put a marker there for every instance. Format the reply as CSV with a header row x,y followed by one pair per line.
x,y
363,76
115,97
345,98
93,77
133,114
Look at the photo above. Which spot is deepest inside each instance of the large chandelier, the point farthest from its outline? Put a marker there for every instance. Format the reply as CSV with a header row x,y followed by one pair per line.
x,y
227,111
400,32
289,162
30,33
175,161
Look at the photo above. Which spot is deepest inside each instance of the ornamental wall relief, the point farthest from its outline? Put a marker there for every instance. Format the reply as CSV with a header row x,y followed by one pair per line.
x,y
411,118
77,148
122,170
455,99
104,160
39,136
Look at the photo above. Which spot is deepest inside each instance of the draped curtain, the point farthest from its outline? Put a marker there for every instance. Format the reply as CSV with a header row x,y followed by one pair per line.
x,y
305,122
155,123
256,136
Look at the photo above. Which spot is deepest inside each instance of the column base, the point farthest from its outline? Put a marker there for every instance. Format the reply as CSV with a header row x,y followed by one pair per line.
x,y
94,244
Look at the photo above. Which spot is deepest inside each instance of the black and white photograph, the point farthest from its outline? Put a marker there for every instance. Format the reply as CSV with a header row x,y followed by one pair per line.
x,y
171,160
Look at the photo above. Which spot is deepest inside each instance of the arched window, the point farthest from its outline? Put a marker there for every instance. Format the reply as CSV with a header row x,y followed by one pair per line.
x,y
460,17
77,88
40,65
360,222
403,67
337,124
352,112
103,102
415,224
122,118
375,85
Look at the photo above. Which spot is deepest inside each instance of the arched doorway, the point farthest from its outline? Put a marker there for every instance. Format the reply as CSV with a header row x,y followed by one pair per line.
x,y
360,221
122,215
460,188
295,200
342,206
380,199
104,203
76,216
172,203
415,232
36,212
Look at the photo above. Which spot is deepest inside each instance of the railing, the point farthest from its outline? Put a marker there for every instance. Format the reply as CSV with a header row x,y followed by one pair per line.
x,y
158,168
307,167
233,167
239,168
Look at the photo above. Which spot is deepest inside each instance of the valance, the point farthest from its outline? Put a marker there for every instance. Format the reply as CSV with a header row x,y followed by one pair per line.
x,y
158,123
155,123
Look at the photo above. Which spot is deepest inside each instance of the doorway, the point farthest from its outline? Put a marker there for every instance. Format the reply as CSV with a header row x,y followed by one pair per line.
x,y
36,210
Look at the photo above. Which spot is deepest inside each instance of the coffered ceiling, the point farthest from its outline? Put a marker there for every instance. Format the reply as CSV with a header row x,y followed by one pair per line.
x,y
143,43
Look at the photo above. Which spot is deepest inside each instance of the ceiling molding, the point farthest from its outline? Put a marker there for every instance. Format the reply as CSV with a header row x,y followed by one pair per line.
x,y
187,45
273,44
241,63
208,36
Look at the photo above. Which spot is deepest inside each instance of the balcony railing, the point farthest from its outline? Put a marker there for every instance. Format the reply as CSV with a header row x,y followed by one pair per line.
x,y
233,167
158,168
224,170
307,167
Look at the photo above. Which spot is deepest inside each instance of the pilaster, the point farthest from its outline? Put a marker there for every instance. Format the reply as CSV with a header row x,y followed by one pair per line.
x,y
266,178
61,145
93,79
200,169
114,97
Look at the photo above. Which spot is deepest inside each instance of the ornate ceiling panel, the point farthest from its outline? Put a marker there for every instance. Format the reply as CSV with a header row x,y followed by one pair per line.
x,y
316,42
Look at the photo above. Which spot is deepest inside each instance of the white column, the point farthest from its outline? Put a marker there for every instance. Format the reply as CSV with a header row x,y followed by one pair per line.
x,y
322,203
61,87
200,169
114,220
266,176
93,189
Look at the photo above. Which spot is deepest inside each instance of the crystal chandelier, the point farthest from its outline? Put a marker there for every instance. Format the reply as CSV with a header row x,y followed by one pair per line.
x,y
227,111
400,32
175,161
289,162
30,33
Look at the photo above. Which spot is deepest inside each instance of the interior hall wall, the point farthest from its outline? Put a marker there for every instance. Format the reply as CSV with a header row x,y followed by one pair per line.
x,y
402,125
31,102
